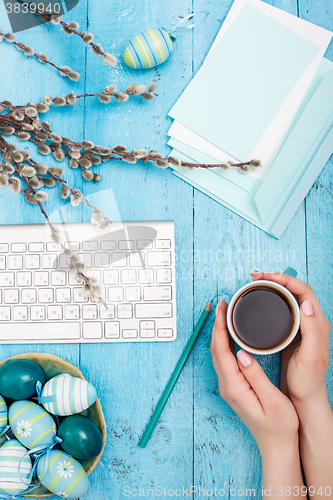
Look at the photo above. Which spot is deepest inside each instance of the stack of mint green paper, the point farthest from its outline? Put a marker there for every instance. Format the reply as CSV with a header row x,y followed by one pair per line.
x,y
232,101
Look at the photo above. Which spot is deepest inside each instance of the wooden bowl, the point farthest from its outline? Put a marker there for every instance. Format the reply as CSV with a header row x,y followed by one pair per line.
x,y
53,365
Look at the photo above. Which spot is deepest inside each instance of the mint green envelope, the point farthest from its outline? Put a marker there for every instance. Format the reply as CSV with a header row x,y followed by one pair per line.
x,y
271,204
219,107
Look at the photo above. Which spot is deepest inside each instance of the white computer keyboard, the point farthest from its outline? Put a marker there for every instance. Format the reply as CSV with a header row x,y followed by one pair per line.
x,y
41,301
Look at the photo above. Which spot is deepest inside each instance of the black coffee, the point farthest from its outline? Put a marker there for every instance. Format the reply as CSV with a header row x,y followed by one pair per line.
x,y
262,317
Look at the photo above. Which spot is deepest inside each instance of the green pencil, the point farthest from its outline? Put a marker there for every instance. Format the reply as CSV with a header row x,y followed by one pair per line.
x,y
174,377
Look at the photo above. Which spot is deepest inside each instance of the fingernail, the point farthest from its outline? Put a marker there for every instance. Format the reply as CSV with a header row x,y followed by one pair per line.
x,y
255,274
218,306
244,358
307,308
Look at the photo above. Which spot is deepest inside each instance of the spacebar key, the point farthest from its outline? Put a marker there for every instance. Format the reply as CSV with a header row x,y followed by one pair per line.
x,y
153,310
39,331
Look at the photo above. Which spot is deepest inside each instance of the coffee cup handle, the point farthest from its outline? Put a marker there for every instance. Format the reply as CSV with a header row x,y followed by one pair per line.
x,y
291,272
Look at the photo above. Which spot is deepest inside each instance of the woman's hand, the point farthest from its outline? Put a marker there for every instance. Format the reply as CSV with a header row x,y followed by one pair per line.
x,y
304,363
264,409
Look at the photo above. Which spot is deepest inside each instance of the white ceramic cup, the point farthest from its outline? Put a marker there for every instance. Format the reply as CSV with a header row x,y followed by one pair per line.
x,y
292,301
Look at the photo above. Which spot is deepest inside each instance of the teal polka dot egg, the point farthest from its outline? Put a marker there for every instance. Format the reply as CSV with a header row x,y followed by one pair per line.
x,y
12,481
31,424
3,414
67,395
64,476
149,49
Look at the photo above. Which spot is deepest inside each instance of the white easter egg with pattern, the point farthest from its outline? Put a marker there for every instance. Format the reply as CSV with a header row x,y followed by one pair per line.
x,y
64,476
67,395
3,414
31,424
12,455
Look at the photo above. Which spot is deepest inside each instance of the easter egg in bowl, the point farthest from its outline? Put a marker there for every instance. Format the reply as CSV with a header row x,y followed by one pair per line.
x,y
31,424
54,366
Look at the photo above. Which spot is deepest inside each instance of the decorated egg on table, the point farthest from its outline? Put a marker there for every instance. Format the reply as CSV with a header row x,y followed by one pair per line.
x,y
12,457
81,437
18,378
31,424
149,49
67,395
3,414
64,475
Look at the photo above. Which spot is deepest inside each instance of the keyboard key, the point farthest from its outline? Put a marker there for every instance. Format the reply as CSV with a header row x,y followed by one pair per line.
x,y
49,261
7,279
159,258
53,247
147,325
146,276
2,262
45,295
54,312
142,244
116,294
79,295
147,334
111,277
119,259
108,245
102,260
63,295
37,313
28,296
72,279
89,311
92,330
73,245
137,259
90,246
133,293
4,315
86,258
157,293
14,262
4,247
125,311
153,310
165,333
20,313
72,312
11,296
32,262
163,275
64,261
58,278
18,247
160,244
39,331
112,330
36,247
41,278
126,245
129,334
108,313
23,278
128,276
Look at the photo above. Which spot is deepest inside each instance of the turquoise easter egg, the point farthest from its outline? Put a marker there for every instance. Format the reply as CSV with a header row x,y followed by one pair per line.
x,y
148,49
31,424
18,378
64,476
13,481
3,414
67,395
81,437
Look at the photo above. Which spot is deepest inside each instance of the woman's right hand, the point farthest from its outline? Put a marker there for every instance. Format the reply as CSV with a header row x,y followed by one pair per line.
x,y
304,363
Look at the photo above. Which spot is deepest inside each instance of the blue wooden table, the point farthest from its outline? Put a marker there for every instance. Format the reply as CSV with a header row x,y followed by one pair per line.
x,y
199,441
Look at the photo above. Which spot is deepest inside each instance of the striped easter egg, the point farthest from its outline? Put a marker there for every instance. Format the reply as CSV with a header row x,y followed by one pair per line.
x,y
31,424
3,414
64,476
148,49
68,395
11,457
